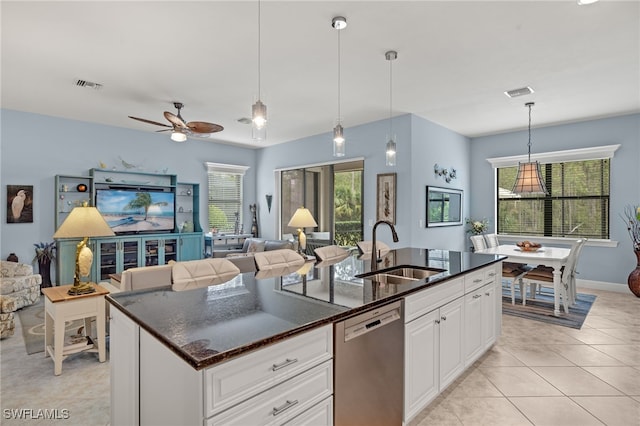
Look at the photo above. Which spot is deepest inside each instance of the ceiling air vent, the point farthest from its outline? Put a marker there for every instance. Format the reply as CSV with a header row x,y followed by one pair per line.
x,y
519,92
88,84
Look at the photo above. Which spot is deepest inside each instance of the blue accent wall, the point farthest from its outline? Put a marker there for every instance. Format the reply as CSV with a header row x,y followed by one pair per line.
x,y
34,148
608,264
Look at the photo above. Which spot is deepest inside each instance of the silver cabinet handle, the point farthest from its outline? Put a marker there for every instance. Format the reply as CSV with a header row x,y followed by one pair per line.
x,y
437,321
487,294
492,274
284,364
477,280
443,318
283,407
475,296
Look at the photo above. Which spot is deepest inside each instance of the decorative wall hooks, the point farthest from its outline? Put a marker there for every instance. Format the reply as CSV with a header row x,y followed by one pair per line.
x,y
447,174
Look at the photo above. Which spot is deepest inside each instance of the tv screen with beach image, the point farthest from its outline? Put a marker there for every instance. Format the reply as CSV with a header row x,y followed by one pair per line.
x,y
137,210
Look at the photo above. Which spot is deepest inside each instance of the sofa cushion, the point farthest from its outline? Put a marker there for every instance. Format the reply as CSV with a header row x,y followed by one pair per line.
x,y
202,273
145,277
277,245
255,246
277,262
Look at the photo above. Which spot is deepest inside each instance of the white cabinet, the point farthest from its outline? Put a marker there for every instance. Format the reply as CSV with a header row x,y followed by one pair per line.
x,y
481,317
433,354
123,360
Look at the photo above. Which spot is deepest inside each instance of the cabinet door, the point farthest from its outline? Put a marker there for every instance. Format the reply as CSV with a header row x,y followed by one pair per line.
x,y
451,332
130,254
106,258
190,247
474,341
159,250
489,315
169,250
421,363
124,364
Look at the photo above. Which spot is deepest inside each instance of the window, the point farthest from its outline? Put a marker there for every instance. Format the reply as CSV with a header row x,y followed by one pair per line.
x,y
225,197
577,203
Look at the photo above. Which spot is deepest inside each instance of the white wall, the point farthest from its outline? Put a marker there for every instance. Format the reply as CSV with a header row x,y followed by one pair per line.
x,y
608,264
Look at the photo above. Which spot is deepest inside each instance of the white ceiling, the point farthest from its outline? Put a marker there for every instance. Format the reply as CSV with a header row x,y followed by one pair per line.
x,y
455,60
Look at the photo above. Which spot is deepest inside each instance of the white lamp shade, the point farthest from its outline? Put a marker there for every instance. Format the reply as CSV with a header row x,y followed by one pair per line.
x,y
84,222
302,218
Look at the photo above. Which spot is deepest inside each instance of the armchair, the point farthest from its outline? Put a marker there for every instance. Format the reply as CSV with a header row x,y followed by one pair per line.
x,y
19,287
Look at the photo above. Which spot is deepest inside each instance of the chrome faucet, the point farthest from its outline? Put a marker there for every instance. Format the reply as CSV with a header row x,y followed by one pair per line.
x,y
374,252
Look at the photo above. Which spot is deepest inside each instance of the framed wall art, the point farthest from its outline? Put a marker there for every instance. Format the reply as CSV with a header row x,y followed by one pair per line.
x,y
386,197
19,203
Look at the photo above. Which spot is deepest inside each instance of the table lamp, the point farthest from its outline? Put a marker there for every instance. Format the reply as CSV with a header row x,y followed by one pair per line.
x,y
302,219
83,222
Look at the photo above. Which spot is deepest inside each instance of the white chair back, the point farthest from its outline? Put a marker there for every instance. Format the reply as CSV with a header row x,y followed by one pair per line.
x,y
478,242
492,240
569,268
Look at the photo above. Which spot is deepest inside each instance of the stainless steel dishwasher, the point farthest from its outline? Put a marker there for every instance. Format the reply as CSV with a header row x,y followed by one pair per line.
x,y
369,368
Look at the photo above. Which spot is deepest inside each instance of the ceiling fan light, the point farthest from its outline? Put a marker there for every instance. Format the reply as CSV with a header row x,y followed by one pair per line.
x,y
178,136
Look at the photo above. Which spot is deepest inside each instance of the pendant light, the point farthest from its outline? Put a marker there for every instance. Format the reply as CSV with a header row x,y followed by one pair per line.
x,y
259,110
390,56
339,23
529,178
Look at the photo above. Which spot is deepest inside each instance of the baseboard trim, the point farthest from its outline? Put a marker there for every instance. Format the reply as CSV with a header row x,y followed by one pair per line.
x,y
602,285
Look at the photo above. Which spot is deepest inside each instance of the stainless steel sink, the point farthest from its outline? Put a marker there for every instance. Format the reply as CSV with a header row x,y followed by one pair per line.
x,y
401,275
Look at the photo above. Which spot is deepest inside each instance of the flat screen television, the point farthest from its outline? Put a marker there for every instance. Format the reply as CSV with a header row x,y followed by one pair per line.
x,y
137,210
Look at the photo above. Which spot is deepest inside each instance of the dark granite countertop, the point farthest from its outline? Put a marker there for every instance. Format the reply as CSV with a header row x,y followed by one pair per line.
x,y
210,325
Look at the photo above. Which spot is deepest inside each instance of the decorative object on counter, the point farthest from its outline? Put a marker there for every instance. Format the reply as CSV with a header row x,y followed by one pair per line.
x,y
632,220
477,227
529,246
269,198
236,225
301,219
529,178
83,222
19,204
45,254
12,258
444,206
102,165
81,187
187,226
447,174
254,220
386,197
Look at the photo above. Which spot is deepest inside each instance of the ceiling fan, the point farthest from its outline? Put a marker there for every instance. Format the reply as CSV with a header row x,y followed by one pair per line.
x,y
180,128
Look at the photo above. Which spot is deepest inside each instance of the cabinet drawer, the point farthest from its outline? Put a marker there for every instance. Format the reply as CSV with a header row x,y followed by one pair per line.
x,y
320,414
474,280
427,300
491,273
237,380
283,402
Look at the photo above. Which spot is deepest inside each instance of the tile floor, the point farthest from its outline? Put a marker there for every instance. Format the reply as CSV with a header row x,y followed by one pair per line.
x,y
537,374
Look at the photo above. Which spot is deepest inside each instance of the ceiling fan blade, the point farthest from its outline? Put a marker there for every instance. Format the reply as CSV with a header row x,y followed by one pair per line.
x,y
164,130
144,120
204,127
177,121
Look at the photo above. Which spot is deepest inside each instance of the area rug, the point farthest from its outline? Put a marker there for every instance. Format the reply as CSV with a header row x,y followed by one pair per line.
x,y
32,320
541,309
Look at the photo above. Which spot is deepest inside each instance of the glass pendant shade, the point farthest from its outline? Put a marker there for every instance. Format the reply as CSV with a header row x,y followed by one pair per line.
x,y
338,141
259,120
529,179
178,136
391,153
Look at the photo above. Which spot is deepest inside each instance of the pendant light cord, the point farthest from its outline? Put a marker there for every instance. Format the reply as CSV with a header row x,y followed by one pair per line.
x,y
390,99
259,31
529,144
339,118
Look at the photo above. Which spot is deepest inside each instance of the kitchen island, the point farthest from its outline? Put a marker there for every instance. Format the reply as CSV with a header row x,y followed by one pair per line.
x,y
226,353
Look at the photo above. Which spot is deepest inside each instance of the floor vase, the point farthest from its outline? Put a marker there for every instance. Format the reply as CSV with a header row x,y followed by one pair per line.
x,y
44,268
634,276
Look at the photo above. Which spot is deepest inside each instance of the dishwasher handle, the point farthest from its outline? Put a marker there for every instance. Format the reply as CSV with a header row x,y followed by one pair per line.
x,y
371,324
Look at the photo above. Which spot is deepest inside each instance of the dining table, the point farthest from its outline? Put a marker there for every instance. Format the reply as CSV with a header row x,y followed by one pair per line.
x,y
554,257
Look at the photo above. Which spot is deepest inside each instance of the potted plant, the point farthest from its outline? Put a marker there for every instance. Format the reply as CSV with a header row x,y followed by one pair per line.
x,y
45,254
631,218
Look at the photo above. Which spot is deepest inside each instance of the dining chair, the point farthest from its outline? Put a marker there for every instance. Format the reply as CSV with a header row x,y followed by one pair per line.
x,y
543,275
478,242
492,240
